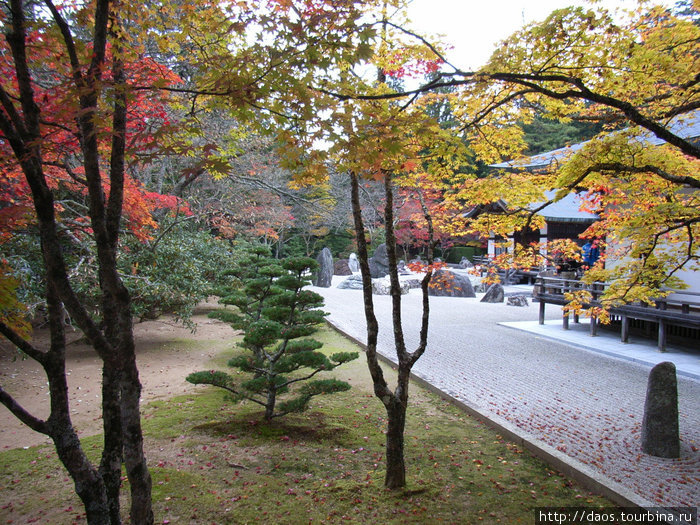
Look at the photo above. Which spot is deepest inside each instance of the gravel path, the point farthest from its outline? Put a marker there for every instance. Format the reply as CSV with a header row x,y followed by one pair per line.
x,y
586,405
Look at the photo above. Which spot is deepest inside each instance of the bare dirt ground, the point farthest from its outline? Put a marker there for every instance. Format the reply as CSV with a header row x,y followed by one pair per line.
x,y
162,367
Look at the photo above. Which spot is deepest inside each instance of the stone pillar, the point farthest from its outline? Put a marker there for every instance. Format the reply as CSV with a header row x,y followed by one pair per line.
x,y
324,274
660,435
354,263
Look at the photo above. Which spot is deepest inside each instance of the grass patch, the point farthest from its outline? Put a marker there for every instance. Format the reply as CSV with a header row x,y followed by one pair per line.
x,y
216,462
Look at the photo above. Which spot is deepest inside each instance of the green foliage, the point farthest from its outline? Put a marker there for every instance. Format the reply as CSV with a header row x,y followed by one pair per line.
x,y
339,243
173,273
170,273
277,315
546,134
457,252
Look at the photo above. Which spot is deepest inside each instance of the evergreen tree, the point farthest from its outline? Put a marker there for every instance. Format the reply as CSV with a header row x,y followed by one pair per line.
x,y
277,317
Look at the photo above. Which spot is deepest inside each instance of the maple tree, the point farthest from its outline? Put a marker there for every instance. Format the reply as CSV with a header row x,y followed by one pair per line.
x,y
386,142
634,70
81,100
580,63
639,73
416,195
67,123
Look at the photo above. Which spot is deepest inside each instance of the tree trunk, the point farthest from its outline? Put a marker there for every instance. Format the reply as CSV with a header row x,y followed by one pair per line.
x,y
89,485
395,464
134,458
395,402
270,403
111,463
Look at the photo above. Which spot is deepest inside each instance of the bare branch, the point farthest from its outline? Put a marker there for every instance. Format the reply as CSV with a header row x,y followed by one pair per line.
x,y
36,424
22,343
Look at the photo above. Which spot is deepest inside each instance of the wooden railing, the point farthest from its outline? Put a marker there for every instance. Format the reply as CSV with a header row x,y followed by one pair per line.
x,y
667,311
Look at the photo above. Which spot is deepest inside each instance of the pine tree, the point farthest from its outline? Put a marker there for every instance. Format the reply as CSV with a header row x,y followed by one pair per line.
x,y
277,317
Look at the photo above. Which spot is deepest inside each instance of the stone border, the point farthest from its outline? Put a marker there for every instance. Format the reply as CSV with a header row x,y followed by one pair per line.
x,y
571,467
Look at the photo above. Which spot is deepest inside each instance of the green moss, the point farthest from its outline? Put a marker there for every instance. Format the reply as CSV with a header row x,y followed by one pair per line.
x,y
215,462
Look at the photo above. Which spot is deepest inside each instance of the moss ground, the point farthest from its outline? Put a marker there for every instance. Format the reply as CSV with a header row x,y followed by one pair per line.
x,y
215,462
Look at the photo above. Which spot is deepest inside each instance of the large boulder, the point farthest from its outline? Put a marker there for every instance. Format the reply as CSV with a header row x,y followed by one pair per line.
x,y
354,282
413,281
324,274
494,294
379,263
445,283
341,267
383,287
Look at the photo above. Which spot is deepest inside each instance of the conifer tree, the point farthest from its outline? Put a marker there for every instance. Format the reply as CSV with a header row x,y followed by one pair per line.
x,y
277,317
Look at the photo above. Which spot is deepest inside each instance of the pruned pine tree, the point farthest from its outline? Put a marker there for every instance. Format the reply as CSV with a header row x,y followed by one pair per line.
x,y
277,316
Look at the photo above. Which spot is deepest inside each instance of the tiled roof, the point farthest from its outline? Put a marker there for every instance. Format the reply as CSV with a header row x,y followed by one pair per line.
x,y
567,209
687,127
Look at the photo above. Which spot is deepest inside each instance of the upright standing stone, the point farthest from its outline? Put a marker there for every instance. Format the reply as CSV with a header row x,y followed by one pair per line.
x,y
379,262
660,435
353,263
324,273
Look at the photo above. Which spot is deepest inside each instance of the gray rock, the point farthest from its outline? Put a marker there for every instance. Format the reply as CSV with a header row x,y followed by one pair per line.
x,y
377,270
354,282
480,287
353,263
465,263
660,434
412,282
381,255
341,267
494,294
517,300
383,287
324,274
445,283
379,263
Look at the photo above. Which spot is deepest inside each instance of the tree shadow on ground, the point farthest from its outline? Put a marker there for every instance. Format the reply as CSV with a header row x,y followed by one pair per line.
x,y
309,427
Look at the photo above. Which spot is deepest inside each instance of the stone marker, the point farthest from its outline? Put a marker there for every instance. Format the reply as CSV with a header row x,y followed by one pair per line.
x,y
494,294
517,300
660,435
353,263
324,274
445,283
